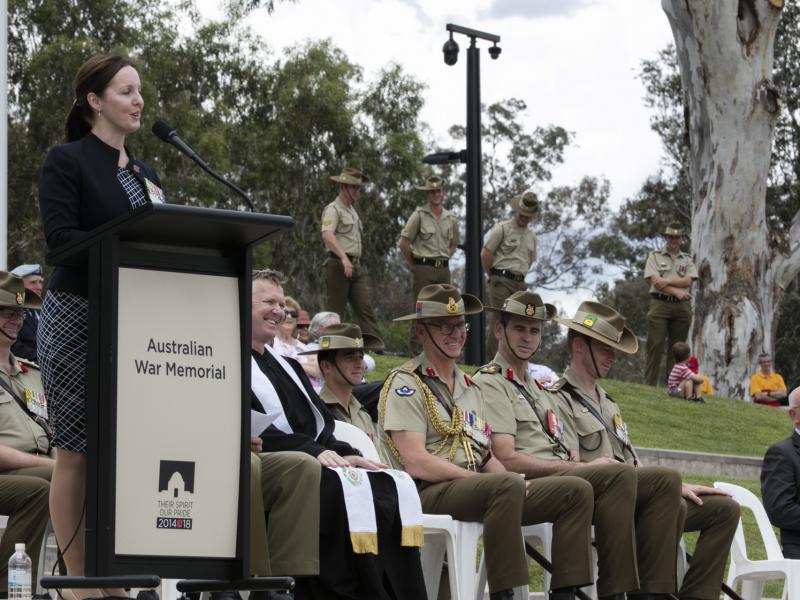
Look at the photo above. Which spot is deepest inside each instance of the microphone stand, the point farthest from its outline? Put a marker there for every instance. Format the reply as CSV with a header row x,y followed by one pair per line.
x,y
201,163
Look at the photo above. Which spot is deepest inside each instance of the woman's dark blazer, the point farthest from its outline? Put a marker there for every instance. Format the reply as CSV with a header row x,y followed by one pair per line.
x,y
78,191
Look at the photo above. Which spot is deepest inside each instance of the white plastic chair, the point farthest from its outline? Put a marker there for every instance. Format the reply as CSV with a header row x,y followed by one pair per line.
x,y
444,536
754,573
540,534
458,540
345,432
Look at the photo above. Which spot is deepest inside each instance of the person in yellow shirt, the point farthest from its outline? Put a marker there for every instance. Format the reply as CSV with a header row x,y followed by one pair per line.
x,y
767,386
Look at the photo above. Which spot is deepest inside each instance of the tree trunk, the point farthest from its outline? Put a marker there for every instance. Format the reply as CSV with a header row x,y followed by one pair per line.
x,y
725,50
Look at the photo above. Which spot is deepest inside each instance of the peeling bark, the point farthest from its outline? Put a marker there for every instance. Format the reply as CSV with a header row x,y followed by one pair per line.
x,y
725,51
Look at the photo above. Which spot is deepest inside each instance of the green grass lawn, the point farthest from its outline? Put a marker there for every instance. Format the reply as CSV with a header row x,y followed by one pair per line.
x,y
655,420
721,425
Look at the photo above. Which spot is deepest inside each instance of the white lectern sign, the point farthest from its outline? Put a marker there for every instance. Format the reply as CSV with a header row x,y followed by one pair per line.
x,y
179,414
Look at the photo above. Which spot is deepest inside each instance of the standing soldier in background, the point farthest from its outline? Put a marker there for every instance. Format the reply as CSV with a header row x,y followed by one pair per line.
x,y
670,273
429,238
427,242
25,346
507,255
346,277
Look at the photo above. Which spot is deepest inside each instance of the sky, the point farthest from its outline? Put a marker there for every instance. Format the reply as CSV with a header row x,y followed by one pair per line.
x,y
573,62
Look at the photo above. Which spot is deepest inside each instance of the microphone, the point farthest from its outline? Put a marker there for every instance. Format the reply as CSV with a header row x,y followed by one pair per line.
x,y
166,133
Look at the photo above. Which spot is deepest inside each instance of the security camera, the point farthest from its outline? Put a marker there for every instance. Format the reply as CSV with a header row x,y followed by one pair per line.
x,y
450,51
495,51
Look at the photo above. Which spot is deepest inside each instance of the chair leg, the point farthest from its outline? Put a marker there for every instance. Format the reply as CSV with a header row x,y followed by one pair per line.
x,y
432,557
454,568
752,589
480,589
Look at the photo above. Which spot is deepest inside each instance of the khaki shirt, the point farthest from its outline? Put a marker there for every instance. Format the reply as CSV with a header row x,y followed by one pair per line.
x,y
405,410
356,415
514,247
431,236
509,411
663,264
583,430
345,224
17,429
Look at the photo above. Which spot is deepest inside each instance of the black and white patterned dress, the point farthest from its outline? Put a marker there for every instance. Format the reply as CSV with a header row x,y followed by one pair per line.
x,y
62,346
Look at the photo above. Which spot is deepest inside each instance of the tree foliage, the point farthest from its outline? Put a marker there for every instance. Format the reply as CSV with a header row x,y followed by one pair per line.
x,y
666,196
278,127
517,159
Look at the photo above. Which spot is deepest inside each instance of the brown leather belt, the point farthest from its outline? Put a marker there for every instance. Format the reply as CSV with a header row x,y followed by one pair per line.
x,y
431,262
351,258
508,274
664,297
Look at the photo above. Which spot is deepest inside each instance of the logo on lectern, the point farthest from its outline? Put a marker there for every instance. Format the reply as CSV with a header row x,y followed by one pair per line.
x,y
176,494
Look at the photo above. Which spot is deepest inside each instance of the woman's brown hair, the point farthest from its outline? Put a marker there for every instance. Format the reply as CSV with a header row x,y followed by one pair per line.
x,y
93,76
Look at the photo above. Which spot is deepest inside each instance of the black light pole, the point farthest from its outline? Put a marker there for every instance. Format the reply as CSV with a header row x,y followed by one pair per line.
x,y
473,239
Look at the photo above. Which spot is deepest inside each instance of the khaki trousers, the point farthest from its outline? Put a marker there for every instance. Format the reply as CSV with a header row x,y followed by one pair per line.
x,y
421,276
614,488
340,290
498,501
500,288
24,497
659,518
285,488
716,520
666,322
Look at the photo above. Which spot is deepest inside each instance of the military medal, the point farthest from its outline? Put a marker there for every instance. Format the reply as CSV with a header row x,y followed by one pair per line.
x,y
554,425
621,428
35,403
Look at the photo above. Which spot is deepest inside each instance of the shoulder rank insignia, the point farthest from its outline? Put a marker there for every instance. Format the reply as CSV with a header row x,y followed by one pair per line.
x,y
490,369
404,391
408,366
24,362
538,384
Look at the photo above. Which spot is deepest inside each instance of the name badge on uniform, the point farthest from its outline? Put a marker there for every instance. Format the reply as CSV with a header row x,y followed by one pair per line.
x,y
554,425
36,403
155,193
620,428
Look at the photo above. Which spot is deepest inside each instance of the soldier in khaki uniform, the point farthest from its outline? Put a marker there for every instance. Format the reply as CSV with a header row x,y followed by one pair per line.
x,y
507,256
346,278
528,438
671,273
341,360
25,462
429,238
595,428
435,419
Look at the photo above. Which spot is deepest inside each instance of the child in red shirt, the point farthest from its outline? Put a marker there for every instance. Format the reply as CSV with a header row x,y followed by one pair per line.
x,y
682,381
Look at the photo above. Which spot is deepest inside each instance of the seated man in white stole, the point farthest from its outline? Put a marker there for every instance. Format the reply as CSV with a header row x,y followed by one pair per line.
x,y
353,563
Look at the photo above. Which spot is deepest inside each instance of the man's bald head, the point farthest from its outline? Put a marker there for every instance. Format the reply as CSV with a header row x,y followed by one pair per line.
x,y
794,406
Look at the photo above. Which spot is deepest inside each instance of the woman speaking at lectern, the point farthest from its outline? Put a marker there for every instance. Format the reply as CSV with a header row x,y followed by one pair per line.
x,y
84,183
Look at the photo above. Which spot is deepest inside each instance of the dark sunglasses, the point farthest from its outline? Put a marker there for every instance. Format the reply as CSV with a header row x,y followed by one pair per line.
x,y
291,313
